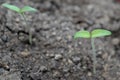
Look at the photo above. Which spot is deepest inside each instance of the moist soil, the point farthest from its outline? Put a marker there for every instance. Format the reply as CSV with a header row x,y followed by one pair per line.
x,y
55,54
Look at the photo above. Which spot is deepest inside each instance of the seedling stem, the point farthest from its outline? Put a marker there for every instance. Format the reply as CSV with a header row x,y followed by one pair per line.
x,y
94,55
30,34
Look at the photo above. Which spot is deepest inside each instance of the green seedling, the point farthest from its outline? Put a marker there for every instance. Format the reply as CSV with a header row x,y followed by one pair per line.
x,y
91,35
22,11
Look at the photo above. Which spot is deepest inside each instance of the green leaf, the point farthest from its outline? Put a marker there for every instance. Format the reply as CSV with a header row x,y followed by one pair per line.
x,y
11,7
100,33
28,8
82,34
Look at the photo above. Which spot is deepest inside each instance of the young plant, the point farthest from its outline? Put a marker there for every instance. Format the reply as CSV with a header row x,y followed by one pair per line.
x,y
22,11
91,35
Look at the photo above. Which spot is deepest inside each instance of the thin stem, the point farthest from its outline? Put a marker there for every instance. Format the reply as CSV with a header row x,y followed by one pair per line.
x,y
94,55
30,34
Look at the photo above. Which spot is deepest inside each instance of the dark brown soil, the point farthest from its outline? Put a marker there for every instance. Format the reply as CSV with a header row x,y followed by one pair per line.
x,y
54,54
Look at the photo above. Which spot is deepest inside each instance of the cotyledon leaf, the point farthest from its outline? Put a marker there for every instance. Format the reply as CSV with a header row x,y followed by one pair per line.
x,y
11,7
100,33
28,8
82,34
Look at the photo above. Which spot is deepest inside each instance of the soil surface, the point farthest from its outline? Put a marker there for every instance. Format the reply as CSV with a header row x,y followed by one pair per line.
x,y
55,54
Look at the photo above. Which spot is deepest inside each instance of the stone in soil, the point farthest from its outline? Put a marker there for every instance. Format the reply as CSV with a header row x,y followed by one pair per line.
x,y
76,59
25,53
43,69
115,41
58,57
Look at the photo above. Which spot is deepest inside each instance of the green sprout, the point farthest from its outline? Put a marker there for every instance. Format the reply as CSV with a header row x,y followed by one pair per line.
x,y
22,11
91,35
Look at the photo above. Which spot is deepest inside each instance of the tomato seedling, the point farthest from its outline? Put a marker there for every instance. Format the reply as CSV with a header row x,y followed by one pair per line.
x,y
91,35
22,11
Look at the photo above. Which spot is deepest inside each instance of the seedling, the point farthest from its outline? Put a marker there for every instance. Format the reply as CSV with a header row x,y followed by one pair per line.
x,y
22,11
91,35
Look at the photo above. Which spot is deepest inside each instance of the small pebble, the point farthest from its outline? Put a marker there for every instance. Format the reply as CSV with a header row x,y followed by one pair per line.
x,y
84,67
65,70
69,37
4,38
58,38
105,56
58,56
17,20
70,62
50,55
47,27
25,53
89,74
56,74
34,40
115,41
43,68
76,59
32,30
53,33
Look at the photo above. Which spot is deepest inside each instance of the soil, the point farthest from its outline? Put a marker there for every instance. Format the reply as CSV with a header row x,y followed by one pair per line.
x,y
55,54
